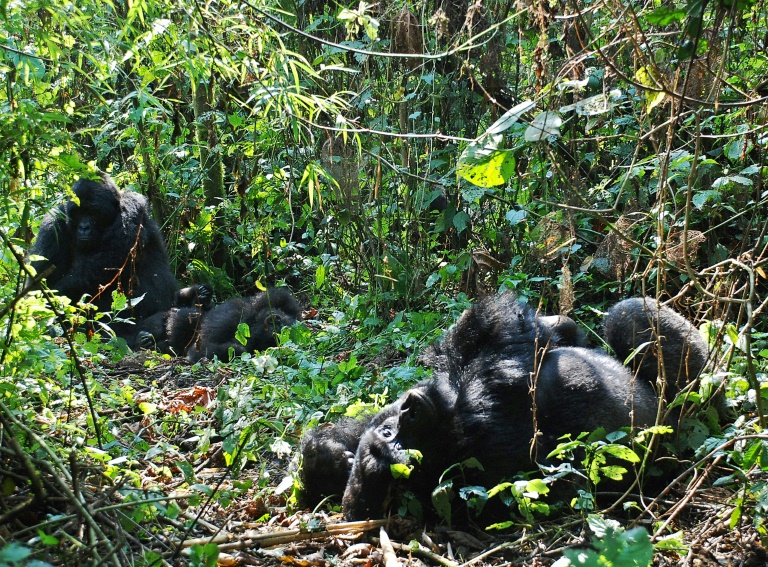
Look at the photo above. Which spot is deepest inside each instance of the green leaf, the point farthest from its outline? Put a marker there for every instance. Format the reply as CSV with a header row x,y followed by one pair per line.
x,y
664,16
243,333
187,470
461,221
515,217
147,408
544,125
400,470
14,552
510,117
485,165
622,452
320,276
441,499
646,77
613,472
536,487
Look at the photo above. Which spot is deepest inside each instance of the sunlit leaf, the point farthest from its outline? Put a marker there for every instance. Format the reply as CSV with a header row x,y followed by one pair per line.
x,y
646,76
485,165
510,117
544,125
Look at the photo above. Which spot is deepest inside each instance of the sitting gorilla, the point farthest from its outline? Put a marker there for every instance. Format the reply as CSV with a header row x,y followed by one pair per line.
x,y
479,404
197,330
264,313
173,331
106,242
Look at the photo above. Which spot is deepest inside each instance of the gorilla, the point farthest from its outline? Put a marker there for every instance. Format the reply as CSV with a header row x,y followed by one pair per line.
x,y
108,241
507,385
641,324
173,331
196,329
265,314
328,451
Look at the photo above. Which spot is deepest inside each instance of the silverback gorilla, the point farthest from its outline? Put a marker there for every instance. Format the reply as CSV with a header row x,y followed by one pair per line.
x,y
199,331
106,242
498,369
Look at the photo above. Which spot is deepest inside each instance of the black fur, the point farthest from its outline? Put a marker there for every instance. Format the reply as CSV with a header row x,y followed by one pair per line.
x,y
197,329
173,331
480,404
109,241
327,454
265,314
328,451
639,323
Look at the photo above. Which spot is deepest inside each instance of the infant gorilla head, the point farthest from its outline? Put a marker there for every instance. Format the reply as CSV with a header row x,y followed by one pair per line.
x,y
503,378
106,240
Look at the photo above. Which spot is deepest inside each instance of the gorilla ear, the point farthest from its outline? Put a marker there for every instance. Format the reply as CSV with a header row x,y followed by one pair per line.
x,y
415,411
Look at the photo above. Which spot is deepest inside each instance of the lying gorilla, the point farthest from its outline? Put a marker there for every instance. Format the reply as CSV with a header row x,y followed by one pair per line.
x,y
173,331
264,313
479,404
199,331
106,242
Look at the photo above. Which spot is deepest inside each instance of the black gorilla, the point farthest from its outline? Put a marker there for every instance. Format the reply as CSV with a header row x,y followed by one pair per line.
x,y
106,242
173,331
639,324
328,451
264,313
479,404
196,330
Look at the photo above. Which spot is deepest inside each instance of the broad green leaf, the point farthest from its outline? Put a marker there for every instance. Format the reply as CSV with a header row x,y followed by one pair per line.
x,y
622,452
243,333
664,16
485,165
441,499
400,470
646,77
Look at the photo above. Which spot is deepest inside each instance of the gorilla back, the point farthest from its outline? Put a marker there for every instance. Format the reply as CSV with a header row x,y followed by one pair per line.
x,y
264,313
106,242
640,323
507,385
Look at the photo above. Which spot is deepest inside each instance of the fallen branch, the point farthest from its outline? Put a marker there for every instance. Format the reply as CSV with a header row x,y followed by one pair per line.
x,y
250,538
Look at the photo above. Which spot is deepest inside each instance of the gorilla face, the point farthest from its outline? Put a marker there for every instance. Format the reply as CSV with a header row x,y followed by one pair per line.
x,y
415,422
97,210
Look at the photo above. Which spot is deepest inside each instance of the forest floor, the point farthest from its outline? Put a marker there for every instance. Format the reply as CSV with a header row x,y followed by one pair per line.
x,y
256,526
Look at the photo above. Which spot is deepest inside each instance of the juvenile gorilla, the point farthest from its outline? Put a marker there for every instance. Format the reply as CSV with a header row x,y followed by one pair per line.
x,y
109,241
197,330
479,404
173,331
264,313
639,323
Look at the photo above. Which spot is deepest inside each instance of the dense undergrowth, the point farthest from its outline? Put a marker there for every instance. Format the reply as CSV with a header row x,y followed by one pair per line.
x,y
390,163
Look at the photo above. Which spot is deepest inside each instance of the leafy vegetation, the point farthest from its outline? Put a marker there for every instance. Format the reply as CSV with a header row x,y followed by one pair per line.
x,y
389,162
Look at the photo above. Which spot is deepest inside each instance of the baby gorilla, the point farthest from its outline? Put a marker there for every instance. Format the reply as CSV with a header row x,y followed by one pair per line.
x,y
503,377
173,331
